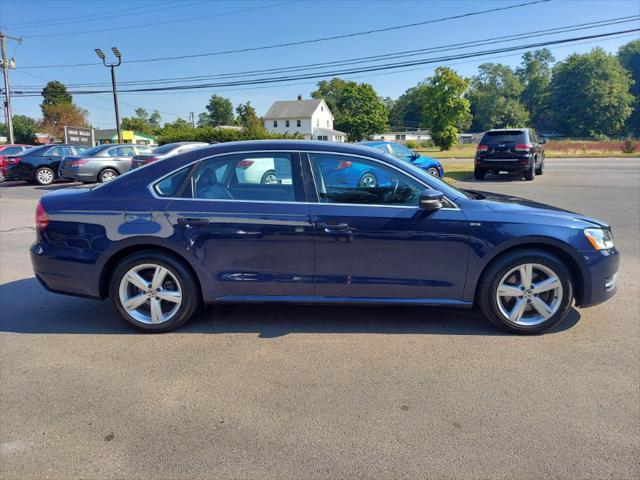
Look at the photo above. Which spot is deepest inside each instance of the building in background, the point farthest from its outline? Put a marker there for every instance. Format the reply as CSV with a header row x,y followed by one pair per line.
x,y
402,137
128,136
311,118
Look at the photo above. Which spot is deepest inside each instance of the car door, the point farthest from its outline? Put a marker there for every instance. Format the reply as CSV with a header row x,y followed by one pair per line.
x,y
121,157
374,242
253,239
54,156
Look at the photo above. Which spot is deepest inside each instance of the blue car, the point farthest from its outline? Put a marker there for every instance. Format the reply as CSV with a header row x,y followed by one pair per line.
x,y
428,164
168,237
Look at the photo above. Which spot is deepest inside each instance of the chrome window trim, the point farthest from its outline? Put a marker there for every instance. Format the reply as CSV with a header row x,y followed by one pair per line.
x,y
300,152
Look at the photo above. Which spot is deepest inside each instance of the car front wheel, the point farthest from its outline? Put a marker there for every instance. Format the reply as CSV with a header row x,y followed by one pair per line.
x,y
154,292
433,171
526,291
45,176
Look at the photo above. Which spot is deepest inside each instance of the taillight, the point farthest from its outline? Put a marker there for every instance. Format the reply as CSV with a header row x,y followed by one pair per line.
x,y
244,163
343,164
523,147
77,163
149,160
42,219
15,160
482,148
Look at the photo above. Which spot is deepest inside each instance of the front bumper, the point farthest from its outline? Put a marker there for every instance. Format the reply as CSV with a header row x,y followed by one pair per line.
x,y
601,276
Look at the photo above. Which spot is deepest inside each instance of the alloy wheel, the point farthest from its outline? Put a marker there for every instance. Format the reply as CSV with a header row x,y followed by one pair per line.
x,y
368,181
529,294
108,175
269,178
433,171
45,176
150,293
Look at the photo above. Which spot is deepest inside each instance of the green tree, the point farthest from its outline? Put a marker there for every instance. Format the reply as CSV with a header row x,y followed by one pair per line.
x,y
219,112
356,107
590,94
495,98
535,75
142,122
331,92
408,109
445,109
54,93
248,118
24,129
629,57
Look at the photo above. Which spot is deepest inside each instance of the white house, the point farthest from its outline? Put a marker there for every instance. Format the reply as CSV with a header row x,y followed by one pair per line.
x,y
402,137
312,118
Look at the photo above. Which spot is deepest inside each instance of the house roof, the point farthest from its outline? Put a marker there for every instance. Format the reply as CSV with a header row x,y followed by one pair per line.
x,y
293,108
328,130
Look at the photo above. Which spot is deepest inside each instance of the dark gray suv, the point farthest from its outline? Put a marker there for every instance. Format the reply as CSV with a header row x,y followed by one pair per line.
x,y
101,163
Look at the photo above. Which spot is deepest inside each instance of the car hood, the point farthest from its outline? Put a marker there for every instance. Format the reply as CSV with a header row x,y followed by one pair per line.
x,y
522,206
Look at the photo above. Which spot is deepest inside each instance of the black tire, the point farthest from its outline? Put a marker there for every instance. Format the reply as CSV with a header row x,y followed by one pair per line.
x,y
107,174
530,174
176,267
486,296
540,169
266,175
433,171
44,176
368,180
479,173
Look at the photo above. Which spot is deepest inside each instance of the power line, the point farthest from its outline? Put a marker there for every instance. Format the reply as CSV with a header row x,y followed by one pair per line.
x,y
167,22
306,42
374,68
373,58
101,16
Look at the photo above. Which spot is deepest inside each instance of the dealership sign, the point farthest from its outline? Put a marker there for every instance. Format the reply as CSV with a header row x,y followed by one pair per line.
x,y
79,136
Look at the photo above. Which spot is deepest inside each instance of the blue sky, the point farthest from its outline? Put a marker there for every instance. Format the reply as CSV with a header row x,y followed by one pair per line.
x,y
250,23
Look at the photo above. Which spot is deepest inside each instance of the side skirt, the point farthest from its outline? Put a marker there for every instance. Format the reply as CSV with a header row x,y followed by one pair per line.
x,y
311,300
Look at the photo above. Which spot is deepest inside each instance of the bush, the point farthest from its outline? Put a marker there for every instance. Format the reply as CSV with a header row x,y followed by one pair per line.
x,y
629,145
411,144
172,134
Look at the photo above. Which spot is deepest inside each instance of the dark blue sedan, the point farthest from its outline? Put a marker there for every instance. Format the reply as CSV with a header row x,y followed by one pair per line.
x,y
166,238
428,164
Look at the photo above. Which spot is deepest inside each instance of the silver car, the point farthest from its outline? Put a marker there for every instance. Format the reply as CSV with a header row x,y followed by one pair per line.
x,y
102,163
164,151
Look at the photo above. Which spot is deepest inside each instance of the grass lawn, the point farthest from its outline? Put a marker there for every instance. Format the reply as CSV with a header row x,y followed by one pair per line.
x,y
554,148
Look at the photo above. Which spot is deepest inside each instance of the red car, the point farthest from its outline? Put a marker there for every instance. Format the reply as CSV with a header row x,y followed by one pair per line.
x,y
9,149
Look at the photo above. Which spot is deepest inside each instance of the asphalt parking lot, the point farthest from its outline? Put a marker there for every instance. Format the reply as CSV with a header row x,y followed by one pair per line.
x,y
325,392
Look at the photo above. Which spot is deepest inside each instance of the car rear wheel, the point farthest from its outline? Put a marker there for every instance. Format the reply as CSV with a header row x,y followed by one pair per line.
x,y
107,175
433,171
479,174
154,292
269,178
526,291
45,176
368,180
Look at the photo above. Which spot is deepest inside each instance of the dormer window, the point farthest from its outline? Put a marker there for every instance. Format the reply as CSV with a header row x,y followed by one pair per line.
x,y
321,108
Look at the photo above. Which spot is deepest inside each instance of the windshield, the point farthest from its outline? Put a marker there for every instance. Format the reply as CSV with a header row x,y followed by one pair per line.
x,y
95,150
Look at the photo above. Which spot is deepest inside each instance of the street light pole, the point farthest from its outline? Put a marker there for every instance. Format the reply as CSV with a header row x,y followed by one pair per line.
x,y
102,57
6,65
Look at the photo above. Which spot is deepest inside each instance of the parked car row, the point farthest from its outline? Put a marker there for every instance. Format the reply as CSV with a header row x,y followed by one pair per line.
x,y
517,151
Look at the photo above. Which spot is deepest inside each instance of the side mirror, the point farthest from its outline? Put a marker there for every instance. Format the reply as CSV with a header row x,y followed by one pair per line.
x,y
543,141
430,200
415,156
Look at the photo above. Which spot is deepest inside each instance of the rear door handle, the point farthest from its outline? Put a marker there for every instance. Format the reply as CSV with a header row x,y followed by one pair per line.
x,y
192,222
335,227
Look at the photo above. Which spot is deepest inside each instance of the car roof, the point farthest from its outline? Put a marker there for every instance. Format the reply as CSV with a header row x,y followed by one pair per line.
x,y
373,143
493,130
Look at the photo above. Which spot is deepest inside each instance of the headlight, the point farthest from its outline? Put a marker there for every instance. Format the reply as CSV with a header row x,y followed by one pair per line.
x,y
600,239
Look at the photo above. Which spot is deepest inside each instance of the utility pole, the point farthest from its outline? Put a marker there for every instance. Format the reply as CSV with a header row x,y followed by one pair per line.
x,y
193,120
102,57
6,65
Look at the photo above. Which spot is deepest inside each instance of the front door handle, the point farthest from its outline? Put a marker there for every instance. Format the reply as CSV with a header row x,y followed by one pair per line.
x,y
335,227
192,222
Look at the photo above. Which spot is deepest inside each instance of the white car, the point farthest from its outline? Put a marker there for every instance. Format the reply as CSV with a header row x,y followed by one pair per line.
x,y
264,170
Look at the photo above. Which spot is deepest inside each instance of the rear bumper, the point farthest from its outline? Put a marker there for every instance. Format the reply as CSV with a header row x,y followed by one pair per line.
x,y
17,173
58,272
601,282
75,174
514,164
